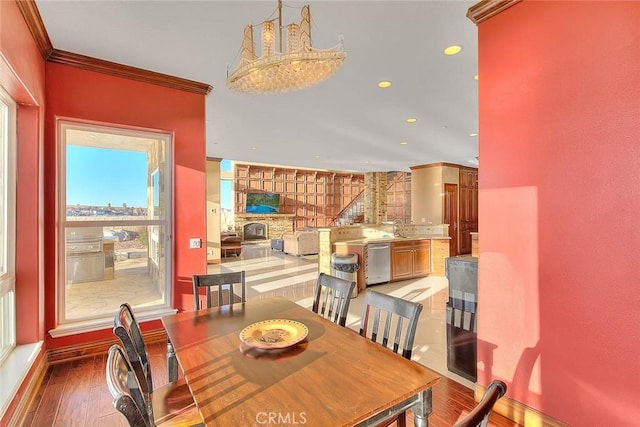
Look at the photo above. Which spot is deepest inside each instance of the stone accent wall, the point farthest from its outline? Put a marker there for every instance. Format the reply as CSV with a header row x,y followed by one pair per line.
x,y
277,224
375,197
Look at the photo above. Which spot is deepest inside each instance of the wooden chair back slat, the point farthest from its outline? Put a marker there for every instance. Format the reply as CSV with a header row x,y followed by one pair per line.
x,y
395,309
332,297
219,282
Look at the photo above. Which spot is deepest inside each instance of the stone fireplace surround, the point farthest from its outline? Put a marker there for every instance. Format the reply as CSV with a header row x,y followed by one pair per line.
x,y
255,231
277,224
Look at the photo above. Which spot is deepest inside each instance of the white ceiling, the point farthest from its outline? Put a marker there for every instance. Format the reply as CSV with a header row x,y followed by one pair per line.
x,y
347,120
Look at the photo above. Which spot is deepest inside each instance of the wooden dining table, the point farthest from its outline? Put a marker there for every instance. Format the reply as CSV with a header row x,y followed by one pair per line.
x,y
334,377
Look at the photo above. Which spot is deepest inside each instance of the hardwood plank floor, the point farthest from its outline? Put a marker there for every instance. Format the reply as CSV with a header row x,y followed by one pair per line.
x,y
75,394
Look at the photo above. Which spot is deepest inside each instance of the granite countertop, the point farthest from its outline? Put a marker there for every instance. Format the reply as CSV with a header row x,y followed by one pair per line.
x,y
365,241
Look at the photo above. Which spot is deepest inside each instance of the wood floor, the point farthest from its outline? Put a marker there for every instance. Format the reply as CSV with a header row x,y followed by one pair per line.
x,y
75,394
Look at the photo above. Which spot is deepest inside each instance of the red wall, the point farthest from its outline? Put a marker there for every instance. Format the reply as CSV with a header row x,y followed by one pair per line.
x,y
559,272
22,75
84,95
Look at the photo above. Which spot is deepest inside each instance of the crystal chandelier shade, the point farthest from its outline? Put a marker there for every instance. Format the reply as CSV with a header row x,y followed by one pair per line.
x,y
275,71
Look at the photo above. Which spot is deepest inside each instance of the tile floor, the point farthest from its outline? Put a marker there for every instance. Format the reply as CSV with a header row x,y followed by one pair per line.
x,y
272,273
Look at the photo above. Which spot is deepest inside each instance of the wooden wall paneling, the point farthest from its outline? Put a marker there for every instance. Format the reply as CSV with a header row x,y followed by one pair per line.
x,y
314,197
241,172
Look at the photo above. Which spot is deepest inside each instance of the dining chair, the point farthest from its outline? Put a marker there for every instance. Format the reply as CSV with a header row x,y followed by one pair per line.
x,y
212,283
479,416
127,330
332,296
396,311
139,408
221,283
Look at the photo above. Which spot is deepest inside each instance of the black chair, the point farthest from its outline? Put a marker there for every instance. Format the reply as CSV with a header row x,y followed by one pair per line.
x,y
479,417
222,284
139,408
396,311
332,296
126,328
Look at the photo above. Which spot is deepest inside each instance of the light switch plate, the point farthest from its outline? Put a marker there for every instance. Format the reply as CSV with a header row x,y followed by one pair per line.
x,y
195,243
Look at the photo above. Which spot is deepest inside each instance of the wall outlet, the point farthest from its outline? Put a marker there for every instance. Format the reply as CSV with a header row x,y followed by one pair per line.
x,y
195,243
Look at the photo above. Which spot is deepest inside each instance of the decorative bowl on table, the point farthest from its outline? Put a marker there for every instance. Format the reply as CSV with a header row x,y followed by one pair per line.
x,y
274,334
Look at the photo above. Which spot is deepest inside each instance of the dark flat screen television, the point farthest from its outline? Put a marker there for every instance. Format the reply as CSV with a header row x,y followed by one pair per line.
x,y
264,203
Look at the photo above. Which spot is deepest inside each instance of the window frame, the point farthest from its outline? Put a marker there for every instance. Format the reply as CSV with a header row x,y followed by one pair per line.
x,y
8,180
72,326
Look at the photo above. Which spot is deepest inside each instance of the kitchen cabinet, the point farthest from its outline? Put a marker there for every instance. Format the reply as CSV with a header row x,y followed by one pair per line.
x,y
474,245
439,254
410,259
468,207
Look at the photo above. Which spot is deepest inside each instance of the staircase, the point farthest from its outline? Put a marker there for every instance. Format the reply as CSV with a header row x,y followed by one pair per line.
x,y
353,213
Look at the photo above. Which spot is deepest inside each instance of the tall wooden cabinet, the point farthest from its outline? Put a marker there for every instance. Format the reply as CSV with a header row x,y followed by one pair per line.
x,y
468,207
446,193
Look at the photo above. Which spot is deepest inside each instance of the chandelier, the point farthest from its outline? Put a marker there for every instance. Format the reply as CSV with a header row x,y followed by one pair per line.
x,y
300,66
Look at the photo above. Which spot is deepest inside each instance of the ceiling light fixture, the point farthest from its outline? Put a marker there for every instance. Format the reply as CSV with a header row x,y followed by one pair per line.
x,y
404,143
412,120
384,84
299,67
453,50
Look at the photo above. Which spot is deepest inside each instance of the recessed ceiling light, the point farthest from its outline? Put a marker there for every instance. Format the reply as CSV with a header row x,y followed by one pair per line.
x,y
404,143
384,84
317,156
412,120
473,134
475,77
254,148
453,50
366,162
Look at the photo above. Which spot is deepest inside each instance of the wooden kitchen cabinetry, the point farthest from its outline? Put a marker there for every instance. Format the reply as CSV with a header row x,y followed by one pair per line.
x,y
468,207
410,259
439,254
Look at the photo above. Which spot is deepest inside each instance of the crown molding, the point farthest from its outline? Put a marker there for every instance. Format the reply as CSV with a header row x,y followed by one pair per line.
x,y
433,165
31,15
114,69
485,9
33,19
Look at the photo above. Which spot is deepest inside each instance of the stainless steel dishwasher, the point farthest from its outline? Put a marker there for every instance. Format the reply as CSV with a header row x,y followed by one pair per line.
x,y
378,263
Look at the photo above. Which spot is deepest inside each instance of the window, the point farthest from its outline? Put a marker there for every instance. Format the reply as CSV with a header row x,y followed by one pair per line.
x,y
115,205
7,225
226,195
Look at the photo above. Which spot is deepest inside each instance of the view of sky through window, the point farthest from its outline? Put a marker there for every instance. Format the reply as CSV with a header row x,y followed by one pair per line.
x,y
99,177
